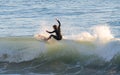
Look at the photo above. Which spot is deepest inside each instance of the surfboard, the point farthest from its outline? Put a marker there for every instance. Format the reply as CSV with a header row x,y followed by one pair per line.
x,y
40,37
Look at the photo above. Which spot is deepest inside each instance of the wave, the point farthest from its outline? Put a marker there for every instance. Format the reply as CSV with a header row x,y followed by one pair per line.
x,y
20,49
83,52
85,48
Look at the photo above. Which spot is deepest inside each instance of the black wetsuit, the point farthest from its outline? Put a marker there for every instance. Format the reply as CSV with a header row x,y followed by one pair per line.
x,y
58,35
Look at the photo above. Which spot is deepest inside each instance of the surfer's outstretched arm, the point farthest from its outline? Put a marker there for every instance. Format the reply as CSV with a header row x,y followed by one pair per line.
x,y
58,22
50,32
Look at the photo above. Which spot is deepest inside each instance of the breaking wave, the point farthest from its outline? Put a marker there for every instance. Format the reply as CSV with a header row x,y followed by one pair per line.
x,y
98,49
101,45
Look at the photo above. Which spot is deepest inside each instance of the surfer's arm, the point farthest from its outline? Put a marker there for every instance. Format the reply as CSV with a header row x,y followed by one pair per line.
x,y
58,22
50,32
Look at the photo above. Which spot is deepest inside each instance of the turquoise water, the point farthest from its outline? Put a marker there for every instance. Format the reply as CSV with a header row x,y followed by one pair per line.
x,y
90,45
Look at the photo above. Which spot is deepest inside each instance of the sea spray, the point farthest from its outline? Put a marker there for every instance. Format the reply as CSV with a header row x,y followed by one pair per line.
x,y
102,33
42,28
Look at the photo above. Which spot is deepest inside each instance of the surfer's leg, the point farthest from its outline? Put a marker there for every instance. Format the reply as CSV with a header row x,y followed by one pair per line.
x,y
55,37
52,36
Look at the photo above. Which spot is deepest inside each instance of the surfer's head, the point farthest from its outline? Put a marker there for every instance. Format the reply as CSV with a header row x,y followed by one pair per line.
x,y
55,26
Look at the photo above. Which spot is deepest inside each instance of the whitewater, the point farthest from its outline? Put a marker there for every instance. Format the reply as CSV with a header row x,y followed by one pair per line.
x,y
90,44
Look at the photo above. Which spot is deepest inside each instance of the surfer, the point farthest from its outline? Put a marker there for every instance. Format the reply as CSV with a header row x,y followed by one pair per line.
x,y
57,31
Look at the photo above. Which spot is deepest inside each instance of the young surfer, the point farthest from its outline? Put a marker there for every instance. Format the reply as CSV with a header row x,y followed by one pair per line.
x,y
57,31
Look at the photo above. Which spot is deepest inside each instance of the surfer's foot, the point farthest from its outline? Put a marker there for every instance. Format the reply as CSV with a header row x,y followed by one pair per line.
x,y
46,39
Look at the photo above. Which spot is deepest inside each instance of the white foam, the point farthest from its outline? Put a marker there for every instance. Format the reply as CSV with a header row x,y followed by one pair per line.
x,y
100,33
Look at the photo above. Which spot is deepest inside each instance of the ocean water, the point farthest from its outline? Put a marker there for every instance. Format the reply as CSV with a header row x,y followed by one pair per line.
x,y
90,45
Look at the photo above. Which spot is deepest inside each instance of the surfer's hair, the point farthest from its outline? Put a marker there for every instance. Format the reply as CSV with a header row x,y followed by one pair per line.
x,y
54,26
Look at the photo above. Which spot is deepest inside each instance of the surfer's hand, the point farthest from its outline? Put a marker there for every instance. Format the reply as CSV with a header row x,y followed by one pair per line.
x,y
56,19
47,31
